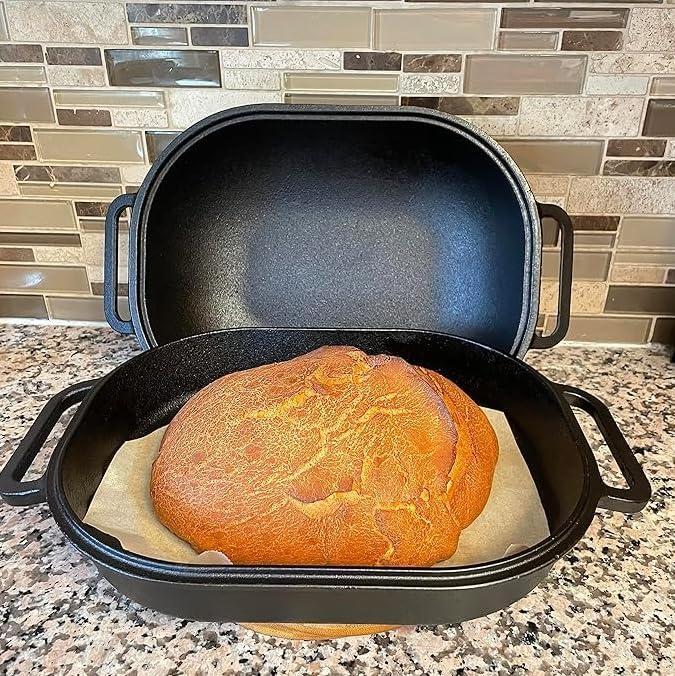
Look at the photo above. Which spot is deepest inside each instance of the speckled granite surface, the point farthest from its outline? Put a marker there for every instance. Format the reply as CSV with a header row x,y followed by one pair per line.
x,y
604,609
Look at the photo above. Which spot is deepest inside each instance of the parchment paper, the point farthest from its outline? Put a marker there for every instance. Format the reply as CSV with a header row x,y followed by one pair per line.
x,y
513,518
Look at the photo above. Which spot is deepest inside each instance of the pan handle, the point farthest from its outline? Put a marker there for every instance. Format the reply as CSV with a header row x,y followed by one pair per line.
x,y
636,496
117,206
565,275
16,492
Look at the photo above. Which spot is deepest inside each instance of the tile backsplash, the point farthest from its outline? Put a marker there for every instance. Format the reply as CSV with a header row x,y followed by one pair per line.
x,y
581,94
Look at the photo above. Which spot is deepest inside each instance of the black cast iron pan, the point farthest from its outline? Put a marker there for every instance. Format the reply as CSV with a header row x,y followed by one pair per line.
x,y
146,392
332,216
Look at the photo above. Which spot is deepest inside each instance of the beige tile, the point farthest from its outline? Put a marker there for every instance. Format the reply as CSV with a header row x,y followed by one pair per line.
x,y
511,74
617,84
249,78
637,274
663,86
559,200
32,277
58,254
587,297
93,244
518,40
651,30
556,157
25,104
98,224
69,190
624,194
76,309
59,238
63,22
36,214
22,75
587,265
637,231
580,116
608,329
4,33
16,254
430,83
601,240
22,306
134,173
189,106
311,26
109,98
433,29
343,99
96,274
76,76
341,82
495,125
282,59
543,184
148,118
645,257
159,35
95,146
618,62
8,184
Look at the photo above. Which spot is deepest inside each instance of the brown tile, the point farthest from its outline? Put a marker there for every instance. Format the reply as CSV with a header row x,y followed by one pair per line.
x,y
549,231
177,12
663,85
592,41
66,174
564,18
76,309
16,254
108,98
520,40
466,105
664,331
97,289
427,29
22,306
26,104
91,145
608,329
658,300
641,147
61,239
670,276
372,61
64,278
21,53
556,157
595,223
163,67
16,151
4,33
157,141
18,133
652,231
594,240
228,36
91,208
74,56
159,35
83,117
587,265
660,118
647,258
98,224
639,168
38,214
511,74
311,26
343,99
432,63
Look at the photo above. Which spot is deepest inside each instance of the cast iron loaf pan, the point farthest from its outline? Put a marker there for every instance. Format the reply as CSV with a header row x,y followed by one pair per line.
x,y
147,391
335,217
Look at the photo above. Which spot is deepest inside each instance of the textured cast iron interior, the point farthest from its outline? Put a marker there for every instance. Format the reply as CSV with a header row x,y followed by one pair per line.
x,y
148,390
343,222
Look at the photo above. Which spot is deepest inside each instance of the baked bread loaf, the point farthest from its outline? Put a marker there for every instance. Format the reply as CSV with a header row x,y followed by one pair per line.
x,y
332,458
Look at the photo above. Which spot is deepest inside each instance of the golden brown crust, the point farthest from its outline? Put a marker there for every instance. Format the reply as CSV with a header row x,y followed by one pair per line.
x,y
334,457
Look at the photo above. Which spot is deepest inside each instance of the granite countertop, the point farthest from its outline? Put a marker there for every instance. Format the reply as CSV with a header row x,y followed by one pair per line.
x,y
604,608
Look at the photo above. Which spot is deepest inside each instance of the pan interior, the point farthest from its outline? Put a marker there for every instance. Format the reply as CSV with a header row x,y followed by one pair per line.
x,y
147,391
340,222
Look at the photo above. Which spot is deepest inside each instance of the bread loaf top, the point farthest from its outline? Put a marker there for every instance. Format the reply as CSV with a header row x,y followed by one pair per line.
x,y
332,458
